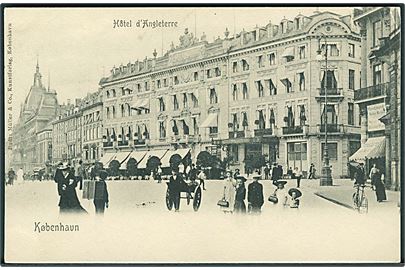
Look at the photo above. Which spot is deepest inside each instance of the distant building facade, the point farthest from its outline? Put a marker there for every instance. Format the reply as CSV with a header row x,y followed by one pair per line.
x,y
378,95
39,108
67,134
91,108
260,92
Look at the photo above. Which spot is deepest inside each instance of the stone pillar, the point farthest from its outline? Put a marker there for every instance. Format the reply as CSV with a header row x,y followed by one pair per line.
x,y
388,178
363,124
393,126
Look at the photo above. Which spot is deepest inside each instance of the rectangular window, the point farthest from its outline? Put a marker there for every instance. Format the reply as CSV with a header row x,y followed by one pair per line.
x,y
301,80
333,49
213,130
259,88
162,106
260,62
162,130
245,92
377,74
195,126
330,80
175,103
139,87
288,85
245,65
272,88
196,76
272,59
377,32
302,52
194,100
296,153
351,50
213,96
176,80
351,79
158,84
350,114
217,72
209,75
234,152
146,86
332,150
165,82
185,100
235,67
235,92
289,58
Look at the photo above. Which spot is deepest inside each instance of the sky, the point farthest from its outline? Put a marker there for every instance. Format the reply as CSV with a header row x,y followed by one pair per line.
x,y
78,46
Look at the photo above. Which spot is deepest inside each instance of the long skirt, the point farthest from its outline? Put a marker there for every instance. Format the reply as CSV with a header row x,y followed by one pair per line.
x,y
380,191
240,207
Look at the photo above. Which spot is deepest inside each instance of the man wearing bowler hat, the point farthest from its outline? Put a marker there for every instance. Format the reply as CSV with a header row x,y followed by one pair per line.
x,y
255,195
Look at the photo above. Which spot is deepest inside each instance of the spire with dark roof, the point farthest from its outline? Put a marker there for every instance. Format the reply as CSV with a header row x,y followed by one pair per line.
x,y
37,76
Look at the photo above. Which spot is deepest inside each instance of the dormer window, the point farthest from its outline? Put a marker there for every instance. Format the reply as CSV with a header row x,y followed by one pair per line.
x,y
298,23
284,27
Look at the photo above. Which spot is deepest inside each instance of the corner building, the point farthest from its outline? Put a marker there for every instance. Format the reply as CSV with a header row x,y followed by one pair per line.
x,y
259,92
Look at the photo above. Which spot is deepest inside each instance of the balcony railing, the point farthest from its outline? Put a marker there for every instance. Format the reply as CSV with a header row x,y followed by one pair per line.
x,y
330,91
293,130
236,134
333,128
374,91
263,132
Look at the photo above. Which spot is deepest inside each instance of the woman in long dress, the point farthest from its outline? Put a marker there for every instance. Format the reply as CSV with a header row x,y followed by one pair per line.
x,y
20,176
229,192
376,181
67,182
240,206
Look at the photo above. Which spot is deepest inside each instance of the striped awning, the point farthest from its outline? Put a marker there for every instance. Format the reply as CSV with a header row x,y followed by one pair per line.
x,y
106,159
137,155
373,148
153,153
166,159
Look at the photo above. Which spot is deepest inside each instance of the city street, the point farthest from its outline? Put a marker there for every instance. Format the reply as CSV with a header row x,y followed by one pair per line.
x,y
138,228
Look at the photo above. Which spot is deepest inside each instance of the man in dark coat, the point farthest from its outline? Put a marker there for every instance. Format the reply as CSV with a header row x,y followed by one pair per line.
x,y
101,193
11,176
359,176
193,173
176,185
255,195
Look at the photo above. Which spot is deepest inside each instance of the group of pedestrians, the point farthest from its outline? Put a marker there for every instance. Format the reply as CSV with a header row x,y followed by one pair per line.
x,y
15,177
67,180
235,192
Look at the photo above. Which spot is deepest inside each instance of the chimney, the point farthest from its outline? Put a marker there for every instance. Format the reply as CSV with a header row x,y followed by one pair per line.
x,y
242,37
269,29
257,33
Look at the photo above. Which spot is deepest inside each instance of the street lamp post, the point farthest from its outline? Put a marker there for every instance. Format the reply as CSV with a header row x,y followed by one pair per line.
x,y
326,178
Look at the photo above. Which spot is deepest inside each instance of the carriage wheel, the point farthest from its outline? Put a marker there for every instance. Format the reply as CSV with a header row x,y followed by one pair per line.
x,y
197,198
169,202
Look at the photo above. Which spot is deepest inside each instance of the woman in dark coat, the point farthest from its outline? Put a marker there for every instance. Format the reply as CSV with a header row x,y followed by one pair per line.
x,y
67,182
240,196
375,176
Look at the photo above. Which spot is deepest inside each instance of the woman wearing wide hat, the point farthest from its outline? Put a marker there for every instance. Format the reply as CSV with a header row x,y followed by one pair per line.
x,y
295,194
67,182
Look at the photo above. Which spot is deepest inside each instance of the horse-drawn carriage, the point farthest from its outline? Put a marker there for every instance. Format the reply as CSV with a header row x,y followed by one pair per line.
x,y
190,191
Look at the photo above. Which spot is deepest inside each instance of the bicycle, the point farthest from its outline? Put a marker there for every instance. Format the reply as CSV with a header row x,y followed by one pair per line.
x,y
359,199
